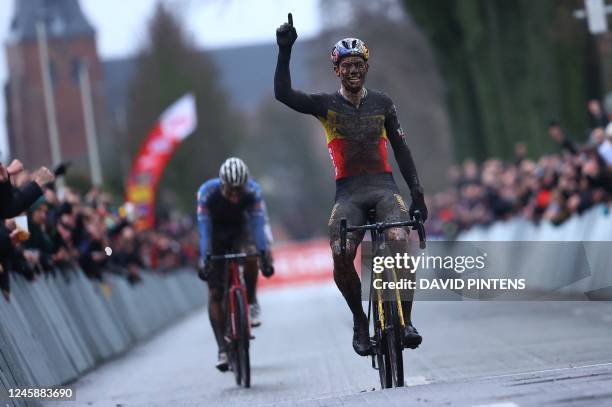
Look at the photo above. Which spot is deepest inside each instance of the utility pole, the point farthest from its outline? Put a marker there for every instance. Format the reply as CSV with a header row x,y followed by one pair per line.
x,y
93,152
43,52
596,13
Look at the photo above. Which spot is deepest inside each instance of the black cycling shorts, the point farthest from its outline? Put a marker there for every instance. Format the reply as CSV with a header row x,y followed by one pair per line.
x,y
227,241
355,196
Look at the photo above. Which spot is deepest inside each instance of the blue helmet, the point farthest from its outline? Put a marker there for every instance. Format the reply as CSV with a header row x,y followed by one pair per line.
x,y
349,47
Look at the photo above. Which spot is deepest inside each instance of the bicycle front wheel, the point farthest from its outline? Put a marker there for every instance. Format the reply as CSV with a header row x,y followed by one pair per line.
x,y
382,352
232,345
393,337
243,377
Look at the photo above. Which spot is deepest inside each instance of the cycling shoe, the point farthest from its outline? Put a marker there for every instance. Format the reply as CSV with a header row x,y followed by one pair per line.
x,y
412,339
361,339
222,362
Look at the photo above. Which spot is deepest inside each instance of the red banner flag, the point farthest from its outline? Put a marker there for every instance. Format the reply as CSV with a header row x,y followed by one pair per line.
x,y
174,125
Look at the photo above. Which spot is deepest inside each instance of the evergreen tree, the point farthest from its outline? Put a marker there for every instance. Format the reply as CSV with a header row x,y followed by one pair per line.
x,y
510,67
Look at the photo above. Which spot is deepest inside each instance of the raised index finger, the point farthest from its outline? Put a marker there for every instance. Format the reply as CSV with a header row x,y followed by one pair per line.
x,y
290,19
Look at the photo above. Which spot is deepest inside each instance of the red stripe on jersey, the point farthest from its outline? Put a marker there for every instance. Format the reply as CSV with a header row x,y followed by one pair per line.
x,y
347,165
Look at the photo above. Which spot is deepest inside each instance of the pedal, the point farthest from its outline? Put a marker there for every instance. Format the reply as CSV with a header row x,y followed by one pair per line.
x,y
373,346
229,343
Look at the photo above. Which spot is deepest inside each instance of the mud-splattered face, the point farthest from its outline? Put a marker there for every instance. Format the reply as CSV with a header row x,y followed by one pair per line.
x,y
352,72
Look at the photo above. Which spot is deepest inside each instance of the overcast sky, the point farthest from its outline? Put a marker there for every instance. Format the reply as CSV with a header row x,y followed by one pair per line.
x,y
121,26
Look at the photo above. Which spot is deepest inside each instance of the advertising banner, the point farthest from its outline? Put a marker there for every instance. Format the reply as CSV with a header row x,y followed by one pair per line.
x,y
174,125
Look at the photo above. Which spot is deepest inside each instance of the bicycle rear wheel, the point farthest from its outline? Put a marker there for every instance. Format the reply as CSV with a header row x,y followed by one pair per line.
x,y
393,337
242,345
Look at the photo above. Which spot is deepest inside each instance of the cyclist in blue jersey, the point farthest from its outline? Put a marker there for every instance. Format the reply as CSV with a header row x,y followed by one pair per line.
x,y
232,218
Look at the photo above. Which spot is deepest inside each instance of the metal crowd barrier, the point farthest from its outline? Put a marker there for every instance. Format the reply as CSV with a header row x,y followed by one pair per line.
x,y
593,225
60,326
593,229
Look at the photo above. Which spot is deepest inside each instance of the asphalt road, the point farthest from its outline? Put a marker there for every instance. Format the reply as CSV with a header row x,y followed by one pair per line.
x,y
505,354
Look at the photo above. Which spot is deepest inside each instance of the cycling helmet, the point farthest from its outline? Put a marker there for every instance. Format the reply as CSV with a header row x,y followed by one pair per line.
x,y
234,172
349,47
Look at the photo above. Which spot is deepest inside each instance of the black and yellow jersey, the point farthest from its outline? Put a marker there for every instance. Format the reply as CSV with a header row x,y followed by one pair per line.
x,y
357,136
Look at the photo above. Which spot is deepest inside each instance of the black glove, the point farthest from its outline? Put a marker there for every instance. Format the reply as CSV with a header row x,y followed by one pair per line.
x,y
203,270
286,34
418,202
267,269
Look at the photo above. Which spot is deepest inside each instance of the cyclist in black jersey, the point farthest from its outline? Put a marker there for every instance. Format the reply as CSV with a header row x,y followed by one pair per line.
x,y
358,124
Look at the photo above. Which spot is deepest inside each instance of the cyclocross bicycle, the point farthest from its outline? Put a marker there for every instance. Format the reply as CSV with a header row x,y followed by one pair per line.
x,y
238,325
388,318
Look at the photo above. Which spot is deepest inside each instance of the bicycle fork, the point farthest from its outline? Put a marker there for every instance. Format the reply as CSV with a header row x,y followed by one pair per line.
x,y
381,314
398,301
236,287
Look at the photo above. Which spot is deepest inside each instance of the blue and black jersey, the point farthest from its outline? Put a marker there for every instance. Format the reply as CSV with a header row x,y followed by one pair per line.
x,y
217,214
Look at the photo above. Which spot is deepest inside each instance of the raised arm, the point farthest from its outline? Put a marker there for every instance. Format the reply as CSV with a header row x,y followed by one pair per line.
x,y
16,200
404,159
299,101
19,199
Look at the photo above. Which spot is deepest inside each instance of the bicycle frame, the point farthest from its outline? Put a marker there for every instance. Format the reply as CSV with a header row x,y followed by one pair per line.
x,y
378,239
238,329
386,343
236,284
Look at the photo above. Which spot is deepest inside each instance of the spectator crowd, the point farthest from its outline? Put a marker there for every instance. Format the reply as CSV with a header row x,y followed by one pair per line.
x,y
48,230
551,188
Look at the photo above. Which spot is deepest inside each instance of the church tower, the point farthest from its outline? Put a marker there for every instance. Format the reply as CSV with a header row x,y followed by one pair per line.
x,y
71,45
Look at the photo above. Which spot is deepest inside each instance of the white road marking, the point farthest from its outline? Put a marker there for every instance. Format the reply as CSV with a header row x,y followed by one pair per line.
x,y
416,380
560,369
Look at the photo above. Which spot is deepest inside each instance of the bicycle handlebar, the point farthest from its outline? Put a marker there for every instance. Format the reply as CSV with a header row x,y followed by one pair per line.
x,y
230,256
416,224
